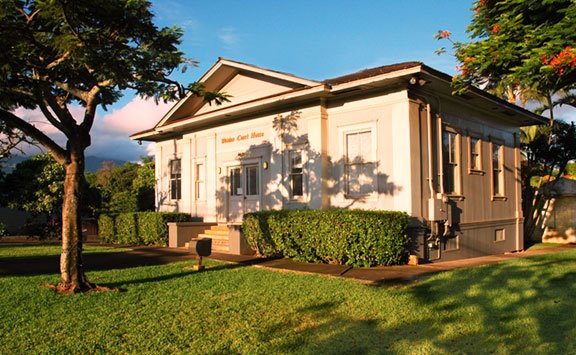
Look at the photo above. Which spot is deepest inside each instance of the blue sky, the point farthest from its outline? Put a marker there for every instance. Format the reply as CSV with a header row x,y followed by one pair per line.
x,y
315,39
311,39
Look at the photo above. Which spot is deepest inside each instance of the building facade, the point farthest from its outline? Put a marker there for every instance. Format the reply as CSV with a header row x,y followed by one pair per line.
x,y
388,138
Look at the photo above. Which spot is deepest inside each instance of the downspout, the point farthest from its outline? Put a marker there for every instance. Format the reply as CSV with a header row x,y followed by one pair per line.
x,y
430,152
518,193
440,161
433,224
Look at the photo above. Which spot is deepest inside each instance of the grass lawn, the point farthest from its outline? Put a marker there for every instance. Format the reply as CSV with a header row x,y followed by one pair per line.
x,y
8,251
525,305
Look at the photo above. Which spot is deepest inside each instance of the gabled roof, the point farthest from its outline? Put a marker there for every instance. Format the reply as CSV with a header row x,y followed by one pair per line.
x,y
221,73
192,112
249,67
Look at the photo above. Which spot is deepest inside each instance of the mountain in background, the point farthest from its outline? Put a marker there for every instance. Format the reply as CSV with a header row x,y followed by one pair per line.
x,y
93,164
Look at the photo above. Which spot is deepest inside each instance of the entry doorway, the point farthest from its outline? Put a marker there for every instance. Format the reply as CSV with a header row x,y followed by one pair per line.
x,y
243,190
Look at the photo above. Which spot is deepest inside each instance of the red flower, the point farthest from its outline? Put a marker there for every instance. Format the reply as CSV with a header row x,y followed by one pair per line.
x,y
496,28
445,34
561,62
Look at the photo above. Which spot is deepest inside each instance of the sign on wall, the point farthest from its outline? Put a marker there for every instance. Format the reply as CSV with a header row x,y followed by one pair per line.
x,y
241,137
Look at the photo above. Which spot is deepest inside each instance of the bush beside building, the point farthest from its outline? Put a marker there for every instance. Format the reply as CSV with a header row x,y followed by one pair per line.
x,y
349,237
138,228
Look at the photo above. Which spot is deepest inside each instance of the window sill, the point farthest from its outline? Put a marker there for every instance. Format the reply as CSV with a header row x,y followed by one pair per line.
x,y
299,199
476,172
456,197
499,198
370,196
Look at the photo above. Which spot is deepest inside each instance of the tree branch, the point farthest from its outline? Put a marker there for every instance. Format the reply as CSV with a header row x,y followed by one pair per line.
x,y
90,112
77,93
53,148
59,60
66,122
53,120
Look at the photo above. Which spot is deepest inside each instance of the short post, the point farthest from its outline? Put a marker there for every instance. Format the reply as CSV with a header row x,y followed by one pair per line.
x,y
200,247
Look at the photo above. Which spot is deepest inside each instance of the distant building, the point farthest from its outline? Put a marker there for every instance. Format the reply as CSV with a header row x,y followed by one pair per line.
x,y
388,138
560,212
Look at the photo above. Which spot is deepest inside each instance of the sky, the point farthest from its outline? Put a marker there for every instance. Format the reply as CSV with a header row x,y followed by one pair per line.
x,y
310,39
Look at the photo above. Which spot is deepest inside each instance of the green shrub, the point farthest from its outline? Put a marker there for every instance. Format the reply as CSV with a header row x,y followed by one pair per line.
x,y
107,228
3,230
138,228
350,237
43,230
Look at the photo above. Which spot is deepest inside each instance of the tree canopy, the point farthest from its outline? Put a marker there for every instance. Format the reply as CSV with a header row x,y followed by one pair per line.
x,y
125,188
520,44
35,186
523,49
59,53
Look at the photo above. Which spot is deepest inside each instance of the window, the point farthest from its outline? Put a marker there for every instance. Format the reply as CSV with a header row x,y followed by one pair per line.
x,y
475,150
296,171
451,162
235,182
359,167
199,183
252,180
245,181
499,235
497,169
175,180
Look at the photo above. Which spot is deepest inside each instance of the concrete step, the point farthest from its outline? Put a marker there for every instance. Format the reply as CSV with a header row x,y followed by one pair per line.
x,y
222,233
218,245
220,227
216,239
219,235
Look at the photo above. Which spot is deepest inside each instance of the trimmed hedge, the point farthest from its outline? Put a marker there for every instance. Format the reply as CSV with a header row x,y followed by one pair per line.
x,y
138,228
3,230
350,237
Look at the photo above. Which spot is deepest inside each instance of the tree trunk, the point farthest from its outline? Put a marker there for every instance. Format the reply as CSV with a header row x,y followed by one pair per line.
x,y
72,278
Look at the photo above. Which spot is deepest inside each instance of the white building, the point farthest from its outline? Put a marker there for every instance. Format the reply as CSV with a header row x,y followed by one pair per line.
x,y
388,138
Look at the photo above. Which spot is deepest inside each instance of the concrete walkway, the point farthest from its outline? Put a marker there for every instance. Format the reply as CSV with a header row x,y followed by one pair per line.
x,y
383,275
142,256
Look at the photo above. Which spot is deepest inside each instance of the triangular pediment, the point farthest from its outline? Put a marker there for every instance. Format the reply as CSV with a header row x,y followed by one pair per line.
x,y
242,82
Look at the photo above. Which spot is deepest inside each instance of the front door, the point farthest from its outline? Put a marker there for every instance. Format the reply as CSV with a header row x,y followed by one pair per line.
x,y
243,190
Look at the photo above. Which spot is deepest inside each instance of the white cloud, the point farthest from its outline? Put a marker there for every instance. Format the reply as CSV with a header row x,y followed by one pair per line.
x,y
228,36
137,115
110,133
150,148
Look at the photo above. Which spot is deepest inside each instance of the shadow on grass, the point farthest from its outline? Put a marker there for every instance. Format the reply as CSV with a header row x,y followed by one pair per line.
x,y
185,271
50,264
503,308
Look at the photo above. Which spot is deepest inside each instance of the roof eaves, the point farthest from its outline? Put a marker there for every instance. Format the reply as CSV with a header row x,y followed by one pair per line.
x,y
367,73
536,119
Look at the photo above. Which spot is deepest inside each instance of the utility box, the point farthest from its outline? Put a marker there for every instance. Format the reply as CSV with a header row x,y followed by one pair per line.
x,y
436,210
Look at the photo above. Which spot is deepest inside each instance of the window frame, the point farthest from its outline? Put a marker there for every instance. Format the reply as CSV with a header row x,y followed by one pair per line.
x,y
290,172
478,157
248,192
370,161
199,184
235,181
454,151
496,234
499,195
175,180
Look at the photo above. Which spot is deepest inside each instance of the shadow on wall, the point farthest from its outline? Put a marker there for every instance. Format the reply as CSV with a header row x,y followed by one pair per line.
x,y
353,177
